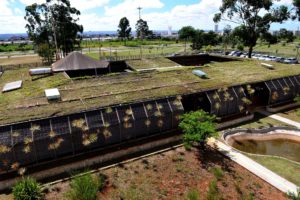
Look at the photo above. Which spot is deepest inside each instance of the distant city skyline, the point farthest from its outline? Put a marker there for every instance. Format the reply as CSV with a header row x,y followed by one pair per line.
x,y
104,15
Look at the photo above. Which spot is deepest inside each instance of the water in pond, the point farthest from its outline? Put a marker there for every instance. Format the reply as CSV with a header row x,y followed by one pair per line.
x,y
278,147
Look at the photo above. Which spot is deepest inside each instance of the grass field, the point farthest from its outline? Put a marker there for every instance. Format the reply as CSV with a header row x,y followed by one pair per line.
x,y
30,102
285,168
20,60
261,121
151,63
291,114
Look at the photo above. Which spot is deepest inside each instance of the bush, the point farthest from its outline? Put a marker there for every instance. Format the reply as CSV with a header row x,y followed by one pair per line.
x,y
192,195
213,192
85,187
218,172
28,189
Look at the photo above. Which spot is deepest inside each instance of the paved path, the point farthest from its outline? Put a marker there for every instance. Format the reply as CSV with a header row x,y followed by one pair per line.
x,y
279,118
257,169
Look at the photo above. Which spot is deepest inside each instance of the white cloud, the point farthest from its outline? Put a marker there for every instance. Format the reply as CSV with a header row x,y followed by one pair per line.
x,y
18,11
199,15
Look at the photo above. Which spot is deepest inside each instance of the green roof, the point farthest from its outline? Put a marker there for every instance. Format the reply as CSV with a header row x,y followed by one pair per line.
x,y
85,94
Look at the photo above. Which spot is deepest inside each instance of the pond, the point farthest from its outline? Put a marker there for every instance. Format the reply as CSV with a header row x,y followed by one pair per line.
x,y
286,148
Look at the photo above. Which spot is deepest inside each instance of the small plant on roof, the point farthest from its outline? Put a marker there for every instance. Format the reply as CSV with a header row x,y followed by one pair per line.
x,y
177,103
226,96
147,122
217,106
215,96
108,110
106,125
79,123
177,117
246,101
88,139
178,97
127,125
129,111
4,149
275,95
27,149
160,123
22,171
126,118
250,90
241,90
106,133
286,90
15,134
158,113
56,144
15,166
160,106
35,128
52,134
241,108
28,140
149,107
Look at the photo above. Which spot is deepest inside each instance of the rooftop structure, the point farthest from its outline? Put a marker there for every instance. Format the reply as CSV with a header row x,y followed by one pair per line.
x,y
86,94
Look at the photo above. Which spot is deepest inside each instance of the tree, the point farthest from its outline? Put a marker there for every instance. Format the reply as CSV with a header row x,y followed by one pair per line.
x,y
296,4
269,38
286,35
227,37
187,32
204,39
53,23
142,29
247,14
197,127
124,30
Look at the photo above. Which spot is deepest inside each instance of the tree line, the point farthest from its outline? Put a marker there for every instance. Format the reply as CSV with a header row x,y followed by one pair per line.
x,y
53,26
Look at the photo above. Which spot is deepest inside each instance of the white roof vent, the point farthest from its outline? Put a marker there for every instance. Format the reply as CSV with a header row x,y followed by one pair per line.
x,y
12,86
52,94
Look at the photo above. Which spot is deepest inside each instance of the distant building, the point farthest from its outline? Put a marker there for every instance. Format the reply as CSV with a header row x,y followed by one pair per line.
x,y
275,33
169,30
216,28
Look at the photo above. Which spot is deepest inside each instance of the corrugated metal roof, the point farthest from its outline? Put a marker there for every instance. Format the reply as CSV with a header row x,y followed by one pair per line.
x,y
78,61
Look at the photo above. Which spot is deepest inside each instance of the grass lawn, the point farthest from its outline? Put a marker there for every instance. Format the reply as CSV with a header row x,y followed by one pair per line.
x,y
291,114
136,51
30,102
151,63
20,60
287,50
285,168
261,121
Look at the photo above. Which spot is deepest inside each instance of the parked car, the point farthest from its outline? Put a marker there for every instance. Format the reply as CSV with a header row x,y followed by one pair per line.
x,y
265,58
273,58
238,53
279,59
256,56
244,55
291,61
231,53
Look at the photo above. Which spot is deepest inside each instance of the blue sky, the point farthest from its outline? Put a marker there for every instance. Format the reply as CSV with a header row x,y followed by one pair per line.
x,y
104,15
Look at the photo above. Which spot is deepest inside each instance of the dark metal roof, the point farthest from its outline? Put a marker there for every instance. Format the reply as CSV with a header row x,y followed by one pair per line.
x,y
78,61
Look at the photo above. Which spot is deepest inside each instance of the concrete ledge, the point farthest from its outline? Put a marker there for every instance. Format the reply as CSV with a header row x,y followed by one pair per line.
x,y
280,108
235,121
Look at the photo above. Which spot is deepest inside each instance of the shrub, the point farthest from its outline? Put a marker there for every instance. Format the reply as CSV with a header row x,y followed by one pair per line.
x,y
294,196
218,172
28,189
197,127
192,195
85,187
213,192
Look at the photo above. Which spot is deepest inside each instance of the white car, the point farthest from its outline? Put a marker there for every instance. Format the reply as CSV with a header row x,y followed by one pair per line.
x,y
256,56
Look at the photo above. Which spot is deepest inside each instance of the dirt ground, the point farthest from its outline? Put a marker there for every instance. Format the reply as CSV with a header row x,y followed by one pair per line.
x,y
178,173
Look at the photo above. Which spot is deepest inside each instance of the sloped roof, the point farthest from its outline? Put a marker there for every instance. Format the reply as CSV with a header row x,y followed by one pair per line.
x,y
77,61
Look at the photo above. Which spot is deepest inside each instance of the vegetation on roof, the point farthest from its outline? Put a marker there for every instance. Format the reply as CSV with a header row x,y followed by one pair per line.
x,y
78,95
154,63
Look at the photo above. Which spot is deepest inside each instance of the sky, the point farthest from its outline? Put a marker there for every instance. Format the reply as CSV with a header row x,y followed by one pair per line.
x,y
104,15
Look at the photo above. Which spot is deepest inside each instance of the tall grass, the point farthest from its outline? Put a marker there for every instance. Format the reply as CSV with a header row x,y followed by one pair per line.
x,y
85,187
28,189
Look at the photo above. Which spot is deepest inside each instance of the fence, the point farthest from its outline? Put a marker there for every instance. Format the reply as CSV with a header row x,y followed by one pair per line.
x,y
48,139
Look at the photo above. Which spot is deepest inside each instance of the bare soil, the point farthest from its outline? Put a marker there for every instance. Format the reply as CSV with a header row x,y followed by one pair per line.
x,y
174,174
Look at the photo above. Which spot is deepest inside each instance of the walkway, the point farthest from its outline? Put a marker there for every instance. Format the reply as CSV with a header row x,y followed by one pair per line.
x,y
279,118
257,169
